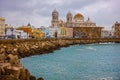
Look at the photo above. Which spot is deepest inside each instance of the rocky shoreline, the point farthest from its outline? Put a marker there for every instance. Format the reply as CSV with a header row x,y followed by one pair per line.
x,y
12,50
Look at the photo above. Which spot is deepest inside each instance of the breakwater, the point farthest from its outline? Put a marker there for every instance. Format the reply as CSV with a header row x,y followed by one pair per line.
x,y
12,50
29,47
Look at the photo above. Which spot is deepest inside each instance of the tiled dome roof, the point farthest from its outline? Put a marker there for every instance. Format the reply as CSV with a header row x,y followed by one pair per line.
x,y
78,15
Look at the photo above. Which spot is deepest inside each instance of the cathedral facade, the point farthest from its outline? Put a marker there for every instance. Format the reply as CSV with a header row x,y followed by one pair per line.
x,y
80,27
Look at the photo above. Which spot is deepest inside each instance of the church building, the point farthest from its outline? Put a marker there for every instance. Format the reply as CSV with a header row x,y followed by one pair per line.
x,y
81,28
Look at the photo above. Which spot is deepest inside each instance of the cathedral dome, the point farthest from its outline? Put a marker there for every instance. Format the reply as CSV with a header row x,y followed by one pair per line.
x,y
3,19
78,15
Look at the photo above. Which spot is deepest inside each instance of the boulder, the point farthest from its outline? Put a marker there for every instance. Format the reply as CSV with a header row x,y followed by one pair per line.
x,y
7,77
40,78
32,77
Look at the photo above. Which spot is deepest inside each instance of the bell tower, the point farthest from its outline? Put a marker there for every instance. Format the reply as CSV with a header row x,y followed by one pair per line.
x,y
55,18
69,17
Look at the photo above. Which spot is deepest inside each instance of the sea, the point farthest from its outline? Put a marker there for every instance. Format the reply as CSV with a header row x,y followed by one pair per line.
x,y
77,62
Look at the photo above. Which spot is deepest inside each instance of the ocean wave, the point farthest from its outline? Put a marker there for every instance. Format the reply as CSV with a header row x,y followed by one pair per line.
x,y
108,78
108,43
91,48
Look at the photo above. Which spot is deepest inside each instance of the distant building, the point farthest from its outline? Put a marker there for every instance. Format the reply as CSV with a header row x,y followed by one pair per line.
x,y
58,28
2,27
45,30
69,32
80,27
12,33
20,34
116,28
66,32
26,28
107,33
38,34
54,32
63,33
9,32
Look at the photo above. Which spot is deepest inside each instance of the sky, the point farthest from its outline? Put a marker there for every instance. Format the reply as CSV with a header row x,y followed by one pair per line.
x,y
38,12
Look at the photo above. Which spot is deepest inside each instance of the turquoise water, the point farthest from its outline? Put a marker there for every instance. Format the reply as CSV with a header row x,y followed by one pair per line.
x,y
78,62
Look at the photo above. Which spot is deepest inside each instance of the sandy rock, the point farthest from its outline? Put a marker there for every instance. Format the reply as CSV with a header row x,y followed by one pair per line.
x,y
14,60
22,74
7,77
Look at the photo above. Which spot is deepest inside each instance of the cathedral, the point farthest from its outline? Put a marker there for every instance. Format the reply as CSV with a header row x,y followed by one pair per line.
x,y
81,28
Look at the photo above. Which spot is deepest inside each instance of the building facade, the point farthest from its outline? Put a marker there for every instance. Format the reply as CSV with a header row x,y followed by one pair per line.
x,y
2,27
12,33
26,28
55,32
38,34
116,27
107,34
80,27
45,30
69,32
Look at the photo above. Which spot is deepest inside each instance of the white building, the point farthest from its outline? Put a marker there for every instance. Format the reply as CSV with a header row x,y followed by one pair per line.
x,y
20,34
13,33
54,32
107,33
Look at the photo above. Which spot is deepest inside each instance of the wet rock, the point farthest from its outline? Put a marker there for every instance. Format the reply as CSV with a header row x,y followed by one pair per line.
x,y
22,74
40,78
32,77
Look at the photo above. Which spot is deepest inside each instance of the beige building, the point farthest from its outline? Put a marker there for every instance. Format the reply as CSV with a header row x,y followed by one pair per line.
x,y
2,27
116,29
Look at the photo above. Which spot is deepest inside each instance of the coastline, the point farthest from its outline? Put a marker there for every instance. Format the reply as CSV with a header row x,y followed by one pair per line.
x,y
13,50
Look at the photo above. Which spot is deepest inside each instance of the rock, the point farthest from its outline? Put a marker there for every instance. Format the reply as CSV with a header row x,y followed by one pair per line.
x,y
40,78
14,60
7,77
2,71
22,74
27,74
32,77
2,55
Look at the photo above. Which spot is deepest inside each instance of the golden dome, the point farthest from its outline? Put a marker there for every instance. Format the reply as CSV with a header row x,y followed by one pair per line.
x,y
78,15
3,19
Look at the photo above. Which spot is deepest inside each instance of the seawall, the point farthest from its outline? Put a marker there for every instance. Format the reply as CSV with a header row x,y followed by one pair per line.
x,y
29,47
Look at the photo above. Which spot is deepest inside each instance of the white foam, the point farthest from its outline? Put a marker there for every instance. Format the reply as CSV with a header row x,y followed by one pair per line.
x,y
108,78
108,43
91,48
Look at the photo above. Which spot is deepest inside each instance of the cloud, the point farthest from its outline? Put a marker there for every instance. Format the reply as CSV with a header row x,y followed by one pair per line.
x,y
105,13
38,12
